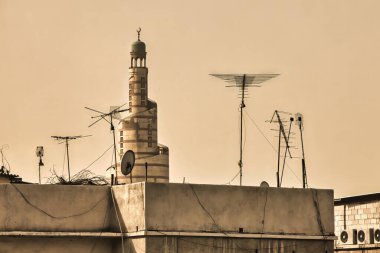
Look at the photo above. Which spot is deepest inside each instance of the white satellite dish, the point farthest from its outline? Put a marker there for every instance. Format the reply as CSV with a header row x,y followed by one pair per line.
x,y
127,162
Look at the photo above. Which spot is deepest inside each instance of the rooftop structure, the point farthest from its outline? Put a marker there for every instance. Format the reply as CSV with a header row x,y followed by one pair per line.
x,y
161,217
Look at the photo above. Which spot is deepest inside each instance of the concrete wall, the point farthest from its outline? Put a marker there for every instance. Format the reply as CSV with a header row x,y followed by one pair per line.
x,y
27,207
178,207
54,245
358,216
130,203
43,218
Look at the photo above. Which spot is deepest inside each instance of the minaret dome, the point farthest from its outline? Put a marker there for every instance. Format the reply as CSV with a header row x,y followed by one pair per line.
x,y
138,52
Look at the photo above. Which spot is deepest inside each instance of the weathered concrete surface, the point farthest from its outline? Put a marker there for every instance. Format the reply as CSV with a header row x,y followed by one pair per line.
x,y
55,245
130,206
229,245
149,212
54,208
185,207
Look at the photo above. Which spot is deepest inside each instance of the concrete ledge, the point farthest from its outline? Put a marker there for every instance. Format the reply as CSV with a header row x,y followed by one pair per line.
x,y
159,233
237,235
57,234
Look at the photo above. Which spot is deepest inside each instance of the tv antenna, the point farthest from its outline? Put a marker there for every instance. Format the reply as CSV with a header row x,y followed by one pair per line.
x,y
243,82
282,134
66,139
112,114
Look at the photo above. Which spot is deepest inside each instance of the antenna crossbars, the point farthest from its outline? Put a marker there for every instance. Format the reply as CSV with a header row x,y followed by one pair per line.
x,y
281,134
298,119
66,140
243,82
112,114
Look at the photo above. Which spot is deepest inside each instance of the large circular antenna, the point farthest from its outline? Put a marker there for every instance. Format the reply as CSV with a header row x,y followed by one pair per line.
x,y
127,162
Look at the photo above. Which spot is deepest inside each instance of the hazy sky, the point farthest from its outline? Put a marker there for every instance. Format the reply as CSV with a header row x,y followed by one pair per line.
x,y
58,56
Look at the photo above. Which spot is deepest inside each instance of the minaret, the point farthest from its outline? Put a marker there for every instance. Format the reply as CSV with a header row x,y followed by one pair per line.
x,y
138,131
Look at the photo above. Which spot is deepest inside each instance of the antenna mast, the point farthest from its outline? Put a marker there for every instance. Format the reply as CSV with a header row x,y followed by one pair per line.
x,y
66,139
299,122
112,114
243,82
281,132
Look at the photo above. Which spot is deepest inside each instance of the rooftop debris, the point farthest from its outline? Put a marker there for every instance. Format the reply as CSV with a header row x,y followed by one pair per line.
x,y
83,177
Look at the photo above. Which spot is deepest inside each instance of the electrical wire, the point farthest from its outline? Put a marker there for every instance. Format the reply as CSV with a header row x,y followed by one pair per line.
x,y
3,157
104,226
209,214
98,158
64,161
54,216
118,220
237,174
113,153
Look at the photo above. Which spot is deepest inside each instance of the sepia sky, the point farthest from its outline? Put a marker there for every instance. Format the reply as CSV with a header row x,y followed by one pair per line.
x,y
56,57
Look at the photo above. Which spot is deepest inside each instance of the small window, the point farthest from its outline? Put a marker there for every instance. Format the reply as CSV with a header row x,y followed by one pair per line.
x,y
149,141
143,102
130,86
149,129
130,105
121,145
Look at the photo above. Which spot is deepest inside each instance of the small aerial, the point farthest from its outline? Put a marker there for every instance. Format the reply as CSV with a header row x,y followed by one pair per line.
x,y
112,115
66,139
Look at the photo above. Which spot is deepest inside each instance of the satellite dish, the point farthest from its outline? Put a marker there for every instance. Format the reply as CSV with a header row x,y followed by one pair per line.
x,y
264,184
127,162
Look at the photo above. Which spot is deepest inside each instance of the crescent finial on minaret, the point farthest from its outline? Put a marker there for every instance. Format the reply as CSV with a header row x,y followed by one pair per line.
x,y
138,33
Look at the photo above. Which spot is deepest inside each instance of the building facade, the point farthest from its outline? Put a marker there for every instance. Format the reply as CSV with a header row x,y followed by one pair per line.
x,y
138,131
357,223
165,218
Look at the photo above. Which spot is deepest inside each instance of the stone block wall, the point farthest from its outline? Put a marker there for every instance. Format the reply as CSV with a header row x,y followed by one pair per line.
x,y
362,215
357,220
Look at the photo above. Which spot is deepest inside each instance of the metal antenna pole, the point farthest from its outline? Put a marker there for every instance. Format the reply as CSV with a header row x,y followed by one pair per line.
x,y
283,163
278,158
39,170
103,116
66,141
243,82
242,105
68,158
304,177
114,147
